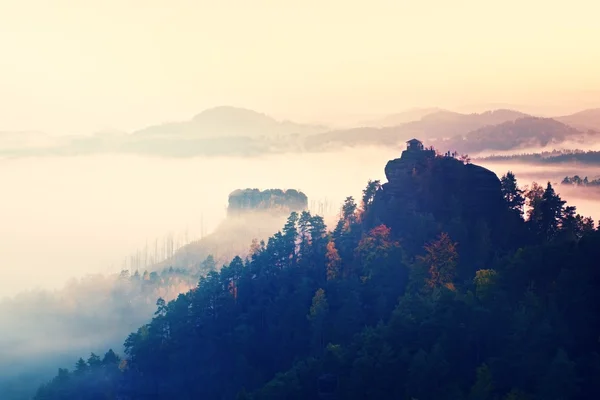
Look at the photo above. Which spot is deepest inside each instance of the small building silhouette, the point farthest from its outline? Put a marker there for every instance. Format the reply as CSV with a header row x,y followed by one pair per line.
x,y
414,145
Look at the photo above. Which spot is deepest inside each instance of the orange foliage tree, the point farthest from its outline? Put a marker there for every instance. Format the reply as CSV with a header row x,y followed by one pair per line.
x,y
441,258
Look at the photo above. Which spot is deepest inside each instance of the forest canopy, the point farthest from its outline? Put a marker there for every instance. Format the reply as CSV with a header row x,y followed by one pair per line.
x,y
420,291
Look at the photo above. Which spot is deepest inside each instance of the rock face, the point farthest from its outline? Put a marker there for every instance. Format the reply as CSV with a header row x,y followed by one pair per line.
x,y
273,200
251,214
428,193
442,186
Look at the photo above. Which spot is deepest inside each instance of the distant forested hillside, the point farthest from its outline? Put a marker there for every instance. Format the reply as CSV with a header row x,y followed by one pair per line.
x,y
434,285
438,125
550,157
522,133
229,122
230,131
578,181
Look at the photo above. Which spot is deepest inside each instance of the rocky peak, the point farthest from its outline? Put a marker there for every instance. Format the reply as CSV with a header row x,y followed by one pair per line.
x,y
272,200
433,183
428,193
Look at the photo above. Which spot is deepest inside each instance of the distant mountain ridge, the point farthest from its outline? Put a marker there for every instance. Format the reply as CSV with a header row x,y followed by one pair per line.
x,y
225,121
583,120
522,133
402,117
438,125
234,131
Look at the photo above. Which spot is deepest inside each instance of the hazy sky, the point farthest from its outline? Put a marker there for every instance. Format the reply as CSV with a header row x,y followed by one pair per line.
x,y
82,65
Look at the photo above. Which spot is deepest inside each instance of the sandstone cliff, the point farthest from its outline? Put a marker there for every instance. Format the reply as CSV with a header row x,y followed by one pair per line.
x,y
275,201
251,214
428,193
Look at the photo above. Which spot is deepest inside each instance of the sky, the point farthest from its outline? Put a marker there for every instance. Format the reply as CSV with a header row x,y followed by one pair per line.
x,y
80,66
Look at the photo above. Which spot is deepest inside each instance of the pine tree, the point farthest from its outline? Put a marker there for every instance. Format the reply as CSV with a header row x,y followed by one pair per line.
x,y
513,195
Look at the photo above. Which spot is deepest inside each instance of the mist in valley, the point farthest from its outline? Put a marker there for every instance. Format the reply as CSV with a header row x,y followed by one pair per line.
x,y
71,225
586,199
66,217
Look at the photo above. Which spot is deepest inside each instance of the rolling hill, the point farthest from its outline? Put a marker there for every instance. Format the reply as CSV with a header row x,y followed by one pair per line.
x,y
231,131
584,120
228,121
438,125
523,133
403,117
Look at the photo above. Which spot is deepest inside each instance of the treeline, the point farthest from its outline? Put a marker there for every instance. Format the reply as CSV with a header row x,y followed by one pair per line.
x,y
92,313
577,181
94,375
551,157
366,311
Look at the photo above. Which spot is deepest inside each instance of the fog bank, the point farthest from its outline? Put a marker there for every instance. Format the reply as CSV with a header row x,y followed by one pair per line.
x,y
70,222
68,216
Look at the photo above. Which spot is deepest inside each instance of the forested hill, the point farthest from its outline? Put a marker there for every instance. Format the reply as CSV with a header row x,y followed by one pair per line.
x,y
434,285
589,157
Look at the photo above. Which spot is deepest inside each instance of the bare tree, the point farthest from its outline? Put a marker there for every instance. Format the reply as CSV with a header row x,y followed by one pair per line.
x,y
146,254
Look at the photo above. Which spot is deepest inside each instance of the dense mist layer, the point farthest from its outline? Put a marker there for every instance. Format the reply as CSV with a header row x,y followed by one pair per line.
x,y
65,217
42,329
71,224
82,217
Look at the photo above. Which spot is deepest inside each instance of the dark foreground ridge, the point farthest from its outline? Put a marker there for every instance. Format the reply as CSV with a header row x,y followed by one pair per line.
x,y
435,285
